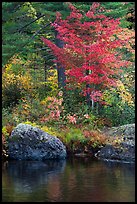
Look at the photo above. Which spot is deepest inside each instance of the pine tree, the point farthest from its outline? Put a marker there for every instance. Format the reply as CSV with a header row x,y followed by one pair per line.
x,y
23,24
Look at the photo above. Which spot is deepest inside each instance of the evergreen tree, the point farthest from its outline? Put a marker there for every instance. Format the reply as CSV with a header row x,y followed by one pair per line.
x,y
23,24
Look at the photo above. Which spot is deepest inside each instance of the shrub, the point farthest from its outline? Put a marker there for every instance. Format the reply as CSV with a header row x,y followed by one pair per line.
x,y
53,109
14,87
50,86
119,108
95,138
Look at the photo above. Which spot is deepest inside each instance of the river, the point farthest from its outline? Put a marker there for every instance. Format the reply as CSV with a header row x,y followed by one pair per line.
x,y
71,180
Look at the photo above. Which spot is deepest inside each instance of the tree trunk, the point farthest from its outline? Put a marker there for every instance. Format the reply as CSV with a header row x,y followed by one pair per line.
x,y
92,104
60,69
45,72
88,95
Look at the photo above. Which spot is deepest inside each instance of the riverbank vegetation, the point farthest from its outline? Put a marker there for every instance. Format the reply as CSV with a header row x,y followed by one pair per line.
x,y
69,72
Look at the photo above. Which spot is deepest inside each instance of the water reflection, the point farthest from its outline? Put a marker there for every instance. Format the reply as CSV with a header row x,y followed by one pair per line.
x,y
27,176
72,180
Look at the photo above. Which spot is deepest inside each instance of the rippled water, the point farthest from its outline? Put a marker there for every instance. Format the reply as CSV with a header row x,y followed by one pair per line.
x,y
71,180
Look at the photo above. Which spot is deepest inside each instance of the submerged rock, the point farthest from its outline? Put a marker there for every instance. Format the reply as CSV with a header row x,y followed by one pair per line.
x,y
30,143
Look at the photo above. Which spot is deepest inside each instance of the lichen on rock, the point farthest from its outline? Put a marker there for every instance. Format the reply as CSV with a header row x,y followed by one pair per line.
x,y
125,150
30,143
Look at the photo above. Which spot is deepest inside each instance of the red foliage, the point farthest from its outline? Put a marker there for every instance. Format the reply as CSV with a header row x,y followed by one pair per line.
x,y
89,54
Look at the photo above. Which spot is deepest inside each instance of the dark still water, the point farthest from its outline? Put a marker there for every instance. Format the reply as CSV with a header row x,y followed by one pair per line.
x,y
71,180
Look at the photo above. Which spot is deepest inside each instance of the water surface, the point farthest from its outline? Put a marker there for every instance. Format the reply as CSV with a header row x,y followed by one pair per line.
x,y
71,180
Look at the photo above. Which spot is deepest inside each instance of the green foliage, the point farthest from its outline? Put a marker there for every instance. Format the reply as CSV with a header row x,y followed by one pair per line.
x,y
120,109
28,109
7,117
120,114
72,101
48,87
74,135
11,95
22,22
73,138
14,86
15,15
119,10
30,85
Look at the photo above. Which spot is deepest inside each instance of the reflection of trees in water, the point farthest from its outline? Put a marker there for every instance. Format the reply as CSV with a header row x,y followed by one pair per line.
x,y
121,179
27,180
89,180
28,175
79,179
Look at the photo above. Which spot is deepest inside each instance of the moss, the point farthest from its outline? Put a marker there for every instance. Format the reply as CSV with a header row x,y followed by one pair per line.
x,y
15,138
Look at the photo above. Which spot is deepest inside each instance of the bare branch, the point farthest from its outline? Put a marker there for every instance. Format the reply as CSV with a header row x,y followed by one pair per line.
x,y
19,30
36,33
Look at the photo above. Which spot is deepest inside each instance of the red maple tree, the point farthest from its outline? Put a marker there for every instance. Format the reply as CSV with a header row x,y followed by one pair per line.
x,y
90,54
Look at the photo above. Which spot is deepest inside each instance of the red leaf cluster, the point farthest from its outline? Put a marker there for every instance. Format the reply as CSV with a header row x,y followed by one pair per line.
x,y
90,54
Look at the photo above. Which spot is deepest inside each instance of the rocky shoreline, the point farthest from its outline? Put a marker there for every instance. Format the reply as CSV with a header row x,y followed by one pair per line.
x,y
31,143
124,151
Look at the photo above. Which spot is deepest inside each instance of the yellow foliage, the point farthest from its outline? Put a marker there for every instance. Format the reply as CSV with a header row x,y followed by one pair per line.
x,y
7,68
9,78
124,93
51,82
107,96
4,131
31,123
48,130
26,81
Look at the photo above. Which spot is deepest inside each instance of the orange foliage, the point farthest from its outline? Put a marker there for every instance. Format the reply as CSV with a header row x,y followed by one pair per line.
x,y
129,36
94,136
9,128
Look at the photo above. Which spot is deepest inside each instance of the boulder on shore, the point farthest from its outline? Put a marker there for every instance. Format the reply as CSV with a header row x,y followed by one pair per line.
x,y
125,150
121,153
30,143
